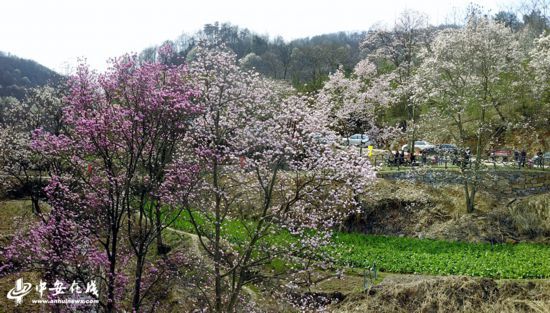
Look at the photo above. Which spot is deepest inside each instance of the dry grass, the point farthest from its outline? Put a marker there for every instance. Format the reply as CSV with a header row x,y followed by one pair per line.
x,y
531,216
12,214
419,210
450,294
7,283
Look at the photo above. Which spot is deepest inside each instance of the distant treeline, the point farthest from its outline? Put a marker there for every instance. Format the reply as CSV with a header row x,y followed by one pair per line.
x,y
307,62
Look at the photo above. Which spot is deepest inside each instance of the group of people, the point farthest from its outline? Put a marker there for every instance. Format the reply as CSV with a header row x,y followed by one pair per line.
x,y
421,158
399,159
460,158
539,160
520,158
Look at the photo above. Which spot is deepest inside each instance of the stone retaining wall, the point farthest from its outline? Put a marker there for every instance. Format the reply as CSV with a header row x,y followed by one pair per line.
x,y
513,183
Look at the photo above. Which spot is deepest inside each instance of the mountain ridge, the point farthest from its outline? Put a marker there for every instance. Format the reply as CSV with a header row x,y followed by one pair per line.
x,y
18,74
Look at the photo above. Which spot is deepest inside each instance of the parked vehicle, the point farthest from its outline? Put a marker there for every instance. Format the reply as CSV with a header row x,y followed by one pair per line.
x,y
358,140
447,148
504,154
536,160
420,145
322,139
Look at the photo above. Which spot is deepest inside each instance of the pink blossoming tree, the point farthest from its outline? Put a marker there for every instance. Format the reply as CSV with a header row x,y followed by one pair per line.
x,y
265,166
121,154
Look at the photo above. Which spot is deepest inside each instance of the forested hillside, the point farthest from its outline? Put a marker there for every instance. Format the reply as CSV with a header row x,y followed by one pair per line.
x,y
16,75
401,64
306,62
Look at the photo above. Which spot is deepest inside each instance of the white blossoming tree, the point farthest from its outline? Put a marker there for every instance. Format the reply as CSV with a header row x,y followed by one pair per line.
x,y
399,51
464,80
540,65
356,104
20,166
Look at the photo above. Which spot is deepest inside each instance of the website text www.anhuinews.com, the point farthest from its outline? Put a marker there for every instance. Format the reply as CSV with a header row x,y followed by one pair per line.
x,y
66,301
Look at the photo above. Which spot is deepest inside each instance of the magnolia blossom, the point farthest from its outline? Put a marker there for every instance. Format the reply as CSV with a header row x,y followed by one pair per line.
x,y
469,70
24,169
267,165
352,104
119,153
61,245
540,61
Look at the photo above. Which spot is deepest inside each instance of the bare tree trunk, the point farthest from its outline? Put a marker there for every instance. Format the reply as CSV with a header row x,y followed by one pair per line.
x,y
217,241
470,198
35,200
469,202
112,275
137,280
161,248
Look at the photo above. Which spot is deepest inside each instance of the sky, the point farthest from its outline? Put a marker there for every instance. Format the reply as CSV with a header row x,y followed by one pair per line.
x,y
56,33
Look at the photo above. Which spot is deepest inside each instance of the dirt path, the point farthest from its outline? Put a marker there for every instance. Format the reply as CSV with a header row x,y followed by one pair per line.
x,y
195,245
196,248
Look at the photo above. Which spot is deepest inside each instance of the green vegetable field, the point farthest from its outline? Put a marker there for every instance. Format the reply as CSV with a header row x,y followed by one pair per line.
x,y
410,255
425,256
